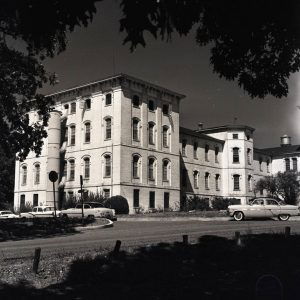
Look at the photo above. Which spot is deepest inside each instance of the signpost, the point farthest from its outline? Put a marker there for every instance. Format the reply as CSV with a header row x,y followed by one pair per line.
x,y
81,192
53,176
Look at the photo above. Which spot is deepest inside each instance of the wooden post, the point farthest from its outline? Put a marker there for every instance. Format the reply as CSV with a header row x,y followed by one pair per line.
x,y
36,260
287,231
237,237
185,239
117,247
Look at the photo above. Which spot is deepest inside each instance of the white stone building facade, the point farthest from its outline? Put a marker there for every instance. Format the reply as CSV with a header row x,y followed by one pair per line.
x,y
122,135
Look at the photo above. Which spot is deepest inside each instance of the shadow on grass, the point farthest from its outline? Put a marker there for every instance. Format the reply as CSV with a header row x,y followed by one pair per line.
x,y
214,268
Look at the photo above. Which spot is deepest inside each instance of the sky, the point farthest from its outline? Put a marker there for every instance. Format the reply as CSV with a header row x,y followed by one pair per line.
x,y
181,65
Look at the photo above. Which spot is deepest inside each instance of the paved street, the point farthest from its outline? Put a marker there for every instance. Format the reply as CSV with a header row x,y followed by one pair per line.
x,y
133,234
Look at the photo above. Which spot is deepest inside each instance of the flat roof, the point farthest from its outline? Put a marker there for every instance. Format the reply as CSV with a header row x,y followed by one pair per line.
x,y
226,128
198,134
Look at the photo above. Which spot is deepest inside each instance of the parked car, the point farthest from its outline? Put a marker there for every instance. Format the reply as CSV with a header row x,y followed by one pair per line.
x,y
263,208
7,214
40,212
90,210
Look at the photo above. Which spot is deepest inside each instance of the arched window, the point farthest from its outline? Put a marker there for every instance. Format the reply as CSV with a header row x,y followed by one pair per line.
x,y
165,136
135,166
108,99
166,170
135,129
206,152
108,128
87,136
136,101
24,175
151,133
37,171
236,182
72,169
73,107
196,179
235,155
249,183
217,182
107,168
151,173
73,135
86,167
207,181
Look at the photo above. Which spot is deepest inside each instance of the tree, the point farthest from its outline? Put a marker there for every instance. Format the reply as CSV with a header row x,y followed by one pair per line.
x,y
255,42
282,185
41,28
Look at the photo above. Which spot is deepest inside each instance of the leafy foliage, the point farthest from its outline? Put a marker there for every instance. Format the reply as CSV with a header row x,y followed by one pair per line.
x,y
118,203
220,203
283,185
254,42
195,203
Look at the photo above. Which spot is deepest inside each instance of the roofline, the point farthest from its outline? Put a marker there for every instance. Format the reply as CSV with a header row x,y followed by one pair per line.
x,y
120,75
226,127
198,134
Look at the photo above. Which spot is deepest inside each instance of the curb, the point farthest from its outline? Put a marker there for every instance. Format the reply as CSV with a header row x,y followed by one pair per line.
x,y
172,219
110,224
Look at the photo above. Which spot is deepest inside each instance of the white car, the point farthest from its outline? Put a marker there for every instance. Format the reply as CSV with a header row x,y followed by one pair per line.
x,y
40,212
7,214
263,208
90,210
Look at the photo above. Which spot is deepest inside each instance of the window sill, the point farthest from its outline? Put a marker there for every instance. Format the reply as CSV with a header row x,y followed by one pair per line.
x,y
137,141
107,139
86,143
135,106
166,181
136,178
235,162
107,104
106,176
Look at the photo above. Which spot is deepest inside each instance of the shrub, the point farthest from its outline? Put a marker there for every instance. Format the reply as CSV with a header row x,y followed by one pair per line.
x,y
195,203
118,203
71,202
26,208
220,203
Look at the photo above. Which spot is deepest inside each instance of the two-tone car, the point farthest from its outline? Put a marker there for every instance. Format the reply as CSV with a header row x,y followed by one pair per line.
x,y
263,208
41,212
90,210
7,214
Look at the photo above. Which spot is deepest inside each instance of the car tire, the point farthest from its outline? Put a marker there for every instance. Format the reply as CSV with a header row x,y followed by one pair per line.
x,y
65,217
90,218
283,217
238,216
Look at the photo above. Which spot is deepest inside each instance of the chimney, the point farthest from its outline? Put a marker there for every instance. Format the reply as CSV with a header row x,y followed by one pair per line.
x,y
200,126
285,140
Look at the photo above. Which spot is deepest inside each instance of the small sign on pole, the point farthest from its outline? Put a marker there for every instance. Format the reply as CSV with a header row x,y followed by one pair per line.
x,y
53,176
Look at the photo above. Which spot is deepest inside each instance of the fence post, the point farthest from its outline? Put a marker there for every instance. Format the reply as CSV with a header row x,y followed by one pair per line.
x,y
117,247
287,231
36,260
185,239
237,237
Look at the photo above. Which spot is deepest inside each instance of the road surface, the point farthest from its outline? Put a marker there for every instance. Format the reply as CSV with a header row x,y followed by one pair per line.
x,y
137,233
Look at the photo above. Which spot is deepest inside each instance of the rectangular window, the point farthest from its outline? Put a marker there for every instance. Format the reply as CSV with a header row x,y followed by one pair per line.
x,y
287,164
166,200
87,132
235,136
195,150
183,148
207,181
206,153
87,104
108,129
72,170
73,131
151,199
151,133
165,137
151,105
35,199
295,166
235,155
108,99
216,155
135,130
165,109
106,193
196,176
22,201
70,194
136,198
73,108
249,156
217,182
236,182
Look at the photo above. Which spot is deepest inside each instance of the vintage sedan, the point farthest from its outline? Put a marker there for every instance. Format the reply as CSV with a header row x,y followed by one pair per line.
x,y
7,214
90,210
263,208
41,212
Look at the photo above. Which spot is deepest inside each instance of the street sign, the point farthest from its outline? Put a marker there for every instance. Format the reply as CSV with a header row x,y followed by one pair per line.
x,y
53,176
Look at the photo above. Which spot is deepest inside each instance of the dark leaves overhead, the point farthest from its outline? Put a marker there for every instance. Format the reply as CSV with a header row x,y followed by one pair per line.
x,y
255,42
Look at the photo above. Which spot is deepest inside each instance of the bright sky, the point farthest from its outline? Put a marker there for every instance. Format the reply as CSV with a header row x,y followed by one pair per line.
x,y
97,52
